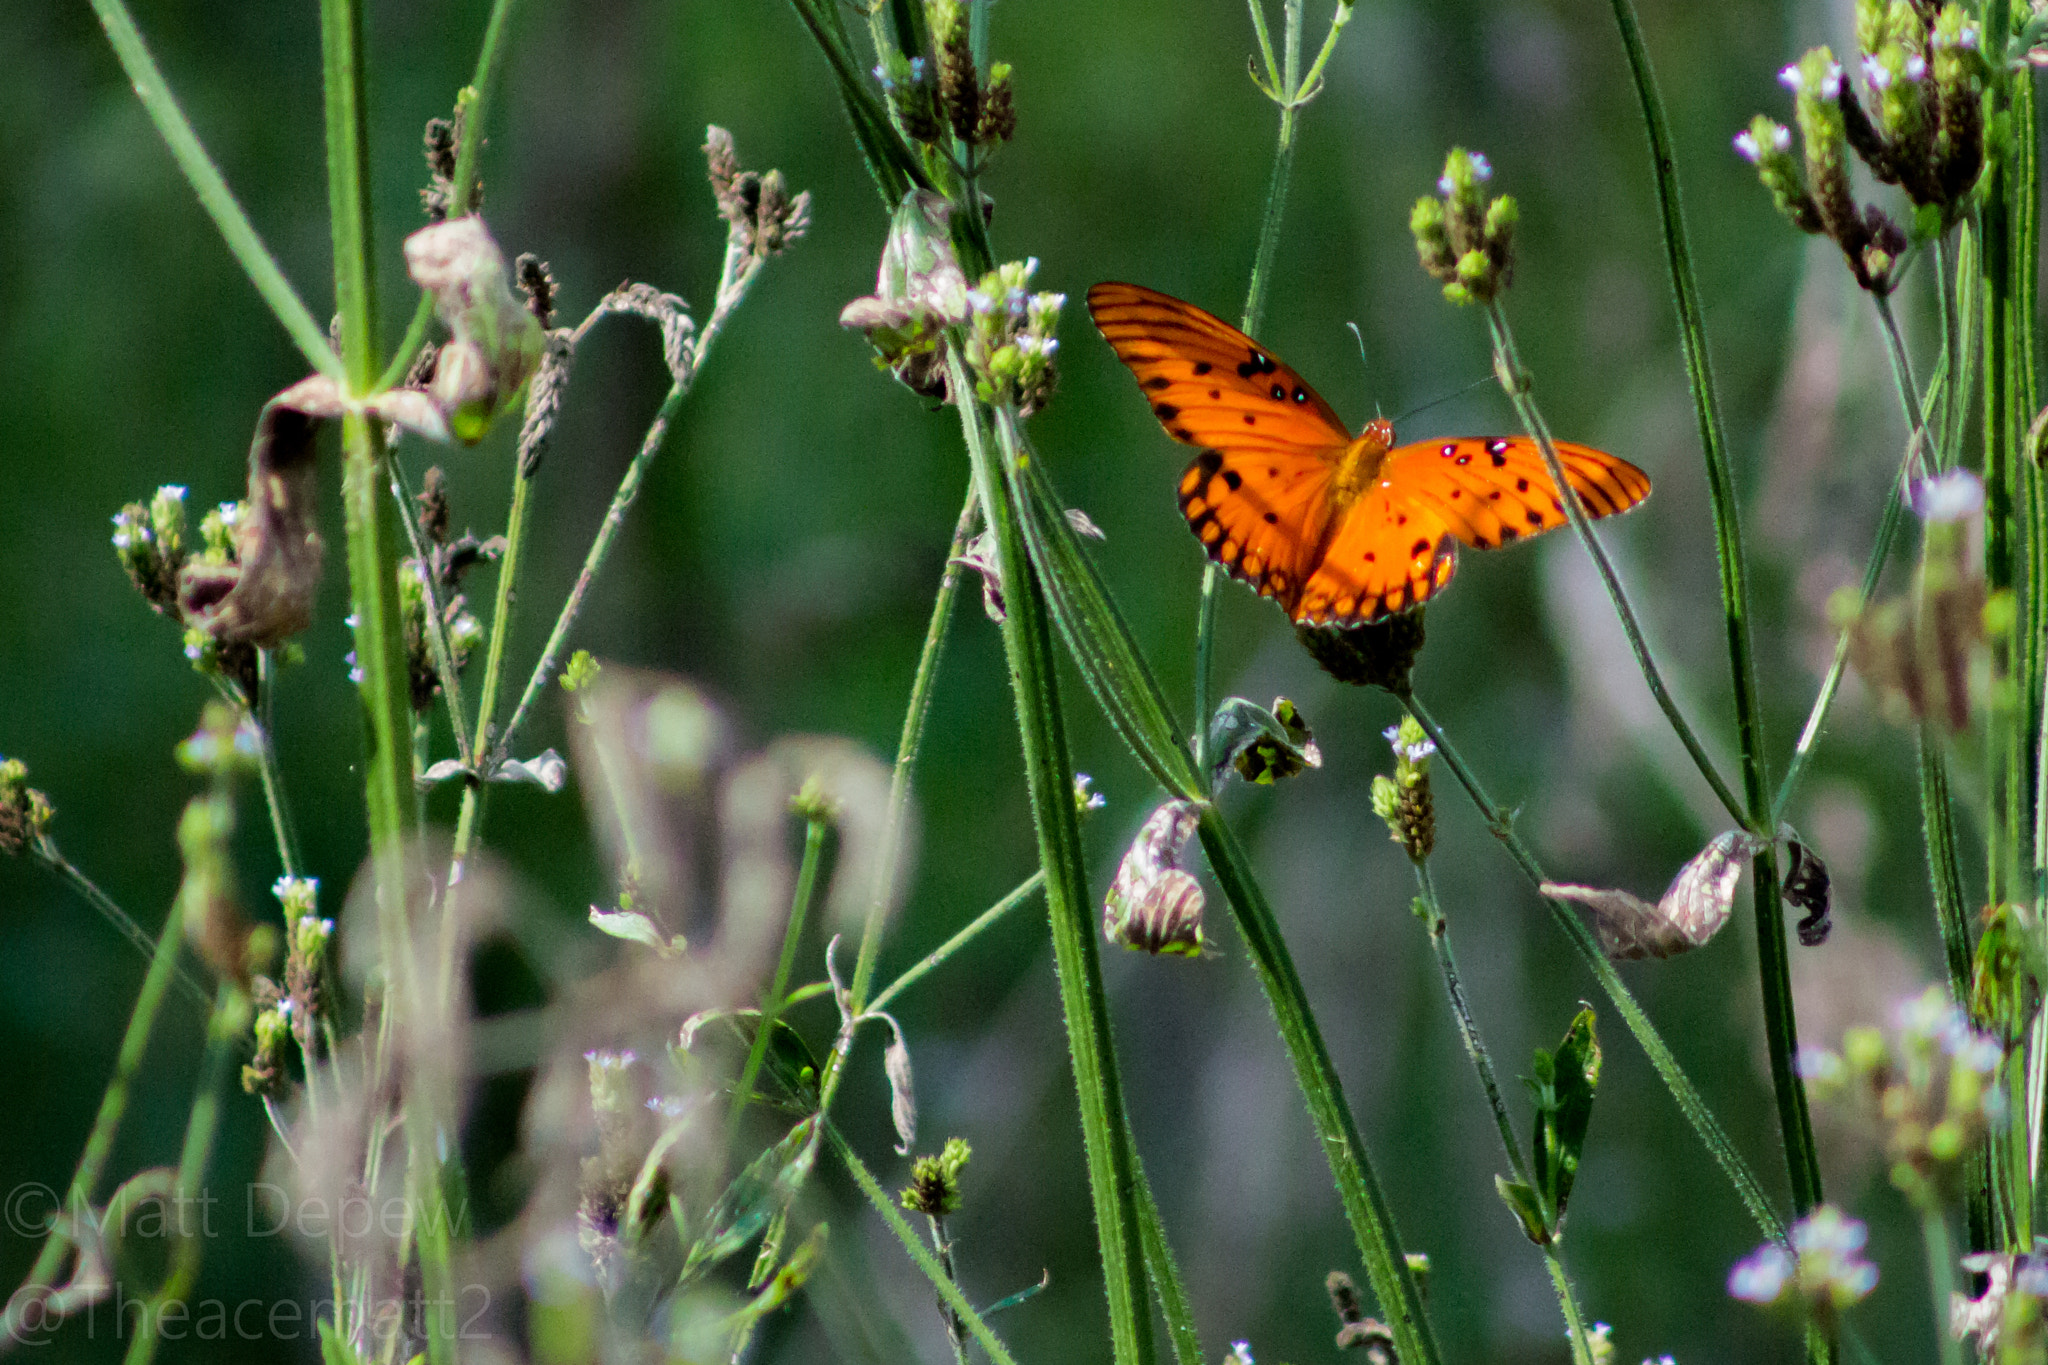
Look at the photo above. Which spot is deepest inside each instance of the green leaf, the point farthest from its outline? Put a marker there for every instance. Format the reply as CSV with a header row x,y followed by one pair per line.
x,y
1012,1300
1263,746
1563,1089
754,1197
1527,1208
786,1281
334,1348
636,927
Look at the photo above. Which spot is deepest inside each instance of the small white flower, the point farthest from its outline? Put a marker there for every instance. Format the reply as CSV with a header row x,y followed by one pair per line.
x,y
1789,77
1916,67
1946,497
1414,753
1876,73
1746,148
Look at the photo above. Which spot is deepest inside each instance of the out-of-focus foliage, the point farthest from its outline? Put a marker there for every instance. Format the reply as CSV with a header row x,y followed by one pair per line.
x,y
787,545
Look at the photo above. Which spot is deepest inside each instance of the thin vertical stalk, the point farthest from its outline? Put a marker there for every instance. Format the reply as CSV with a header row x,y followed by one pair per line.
x,y
1291,93
1998,264
483,748
1365,1205
1439,930
1027,642
202,1126
211,189
1941,1280
281,827
908,746
1780,1024
813,875
380,652
1164,1270
1501,822
1944,867
1519,385
99,1143
1921,446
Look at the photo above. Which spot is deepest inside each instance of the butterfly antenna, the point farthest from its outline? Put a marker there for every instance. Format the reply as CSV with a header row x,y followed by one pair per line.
x,y
1363,363
1435,402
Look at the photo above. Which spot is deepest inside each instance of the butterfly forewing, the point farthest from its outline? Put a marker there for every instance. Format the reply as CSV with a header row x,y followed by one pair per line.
x,y
1210,384
1258,496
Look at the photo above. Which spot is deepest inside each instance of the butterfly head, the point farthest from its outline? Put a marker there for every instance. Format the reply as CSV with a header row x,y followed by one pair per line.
x,y
1378,435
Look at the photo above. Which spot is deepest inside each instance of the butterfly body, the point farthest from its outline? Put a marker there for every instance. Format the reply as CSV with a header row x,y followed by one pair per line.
x,y
1340,530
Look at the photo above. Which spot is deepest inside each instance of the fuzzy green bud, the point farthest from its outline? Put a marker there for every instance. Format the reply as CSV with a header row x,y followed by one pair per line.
x,y
1464,199
1767,145
223,746
217,532
934,1188
24,812
1816,80
581,672
265,1074
1403,801
1433,238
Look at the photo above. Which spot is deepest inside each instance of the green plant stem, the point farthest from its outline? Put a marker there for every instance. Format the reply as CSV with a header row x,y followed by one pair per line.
x,y
1022,892
1437,924
281,826
908,746
483,752
1027,643
1291,92
1164,1271
1372,1223
812,877
1780,1025
1824,700
223,1038
99,1143
1941,1280
1438,928
211,190
2002,761
472,104
45,851
436,629
1519,386
735,281
920,1255
942,1249
380,651
1575,1325
1695,1109
1944,868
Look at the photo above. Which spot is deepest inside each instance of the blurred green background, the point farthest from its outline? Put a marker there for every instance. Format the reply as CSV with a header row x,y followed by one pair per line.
x,y
786,547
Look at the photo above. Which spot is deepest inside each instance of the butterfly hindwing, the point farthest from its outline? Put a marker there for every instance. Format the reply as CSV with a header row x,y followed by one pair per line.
x,y
1388,554
1210,384
1493,492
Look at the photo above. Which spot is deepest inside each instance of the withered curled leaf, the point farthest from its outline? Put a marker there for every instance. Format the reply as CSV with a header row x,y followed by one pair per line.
x,y
1692,910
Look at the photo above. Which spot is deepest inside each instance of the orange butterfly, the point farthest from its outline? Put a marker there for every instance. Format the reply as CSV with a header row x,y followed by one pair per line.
x,y
1341,531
